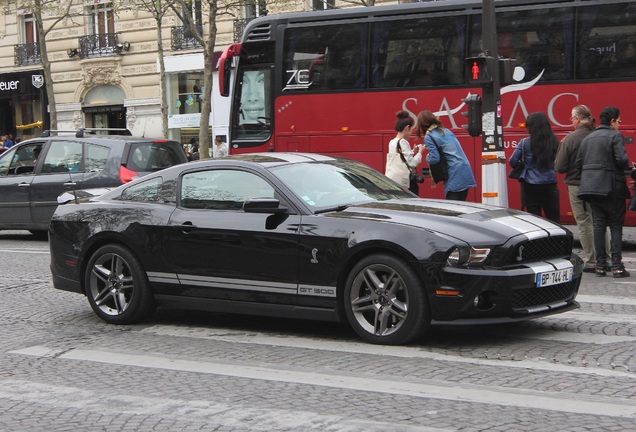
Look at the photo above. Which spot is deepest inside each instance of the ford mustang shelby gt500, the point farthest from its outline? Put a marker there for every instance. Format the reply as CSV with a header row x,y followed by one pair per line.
x,y
308,236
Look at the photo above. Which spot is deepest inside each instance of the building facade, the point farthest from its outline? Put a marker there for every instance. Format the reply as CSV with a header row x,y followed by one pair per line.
x,y
105,71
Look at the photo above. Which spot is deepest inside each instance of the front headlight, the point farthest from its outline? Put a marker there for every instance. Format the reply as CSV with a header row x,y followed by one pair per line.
x,y
467,256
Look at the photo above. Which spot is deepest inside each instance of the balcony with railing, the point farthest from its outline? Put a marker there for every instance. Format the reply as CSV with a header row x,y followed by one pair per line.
x,y
27,54
182,38
239,28
99,45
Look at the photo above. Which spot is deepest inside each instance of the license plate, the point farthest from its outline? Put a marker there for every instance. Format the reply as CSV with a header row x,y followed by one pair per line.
x,y
554,277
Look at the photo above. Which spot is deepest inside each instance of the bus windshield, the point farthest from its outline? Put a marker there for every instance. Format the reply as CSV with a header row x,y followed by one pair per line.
x,y
253,118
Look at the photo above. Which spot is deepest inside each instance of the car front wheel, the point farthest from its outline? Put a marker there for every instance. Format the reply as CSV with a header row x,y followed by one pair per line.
x,y
385,301
117,287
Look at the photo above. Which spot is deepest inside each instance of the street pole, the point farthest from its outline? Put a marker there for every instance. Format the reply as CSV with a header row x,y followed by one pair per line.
x,y
493,159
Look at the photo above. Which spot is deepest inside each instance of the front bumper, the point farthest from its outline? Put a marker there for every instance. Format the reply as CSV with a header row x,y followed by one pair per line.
x,y
489,296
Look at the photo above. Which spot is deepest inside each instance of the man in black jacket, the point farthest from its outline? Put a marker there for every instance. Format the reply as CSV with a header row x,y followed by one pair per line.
x,y
603,160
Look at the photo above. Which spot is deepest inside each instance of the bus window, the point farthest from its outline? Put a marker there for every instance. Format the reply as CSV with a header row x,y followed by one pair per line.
x,y
417,52
607,41
254,113
331,57
537,38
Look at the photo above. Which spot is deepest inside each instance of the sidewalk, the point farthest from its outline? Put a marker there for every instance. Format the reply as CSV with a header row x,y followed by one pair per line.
x,y
629,237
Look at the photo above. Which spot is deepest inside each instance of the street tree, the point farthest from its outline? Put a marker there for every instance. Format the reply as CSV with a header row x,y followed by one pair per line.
x,y
158,9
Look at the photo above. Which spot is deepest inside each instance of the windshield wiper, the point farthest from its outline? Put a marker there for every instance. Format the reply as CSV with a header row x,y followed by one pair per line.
x,y
333,209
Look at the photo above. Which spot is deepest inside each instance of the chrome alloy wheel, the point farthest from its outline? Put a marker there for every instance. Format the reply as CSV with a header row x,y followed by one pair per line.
x,y
379,300
111,284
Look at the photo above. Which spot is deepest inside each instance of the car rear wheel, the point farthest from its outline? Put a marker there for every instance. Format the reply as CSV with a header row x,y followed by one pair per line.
x,y
385,301
117,287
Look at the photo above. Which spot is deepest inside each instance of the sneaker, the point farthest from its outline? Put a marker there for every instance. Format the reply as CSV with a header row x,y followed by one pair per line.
x,y
589,270
600,272
620,272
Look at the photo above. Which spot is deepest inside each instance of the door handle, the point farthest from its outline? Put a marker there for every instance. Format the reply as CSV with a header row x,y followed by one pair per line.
x,y
23,185
70,184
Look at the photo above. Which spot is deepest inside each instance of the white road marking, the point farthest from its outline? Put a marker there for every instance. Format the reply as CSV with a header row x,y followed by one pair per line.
x,y
234,416
432,389
26,251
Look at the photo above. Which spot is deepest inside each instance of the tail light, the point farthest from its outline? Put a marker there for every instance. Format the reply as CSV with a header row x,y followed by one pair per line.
x,y
126,175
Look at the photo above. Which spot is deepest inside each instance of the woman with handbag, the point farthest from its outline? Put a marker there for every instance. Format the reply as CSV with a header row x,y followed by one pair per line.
x,y
401,160
539,191
444,148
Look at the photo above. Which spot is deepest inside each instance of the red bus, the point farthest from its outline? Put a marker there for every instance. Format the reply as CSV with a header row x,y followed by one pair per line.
x,y
331,81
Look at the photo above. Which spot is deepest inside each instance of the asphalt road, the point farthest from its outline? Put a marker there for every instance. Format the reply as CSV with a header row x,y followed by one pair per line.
x,y
62,369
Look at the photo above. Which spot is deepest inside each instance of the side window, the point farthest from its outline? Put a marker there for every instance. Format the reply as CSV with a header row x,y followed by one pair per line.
x,y
150,157
96,157
222,189
540,39
63,156
325,57
144,191
5,161
417,52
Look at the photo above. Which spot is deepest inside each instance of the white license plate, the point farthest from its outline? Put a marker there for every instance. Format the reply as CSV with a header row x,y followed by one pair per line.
x,y
554,277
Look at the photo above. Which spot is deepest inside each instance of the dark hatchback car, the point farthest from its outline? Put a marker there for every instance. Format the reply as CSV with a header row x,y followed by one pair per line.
x,y
35,172
309,236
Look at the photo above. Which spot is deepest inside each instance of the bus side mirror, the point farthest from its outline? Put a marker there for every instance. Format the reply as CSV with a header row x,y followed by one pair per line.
x,y
225,68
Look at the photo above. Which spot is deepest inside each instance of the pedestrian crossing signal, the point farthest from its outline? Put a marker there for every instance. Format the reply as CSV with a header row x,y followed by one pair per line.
x,y
480,69
473,114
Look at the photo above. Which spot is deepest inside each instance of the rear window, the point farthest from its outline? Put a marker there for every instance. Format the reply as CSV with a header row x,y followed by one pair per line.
x,y
153,156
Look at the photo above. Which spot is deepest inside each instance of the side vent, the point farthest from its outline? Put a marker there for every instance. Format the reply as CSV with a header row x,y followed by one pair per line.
x,y
261,32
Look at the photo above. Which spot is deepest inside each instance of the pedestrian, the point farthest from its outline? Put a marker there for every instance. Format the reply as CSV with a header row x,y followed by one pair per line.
x,y
539,190
439,139
603,160
401,159
220,148
565,163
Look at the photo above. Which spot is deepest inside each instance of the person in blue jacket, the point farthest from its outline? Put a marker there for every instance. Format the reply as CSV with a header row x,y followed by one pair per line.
x,y
539,190
460,173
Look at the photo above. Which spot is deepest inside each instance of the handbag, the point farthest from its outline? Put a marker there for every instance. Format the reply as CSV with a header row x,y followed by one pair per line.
x,y
515,173
439,171
414,177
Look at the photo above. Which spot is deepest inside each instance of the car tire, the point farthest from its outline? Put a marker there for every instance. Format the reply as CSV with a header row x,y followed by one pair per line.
x,y
117,287
385,301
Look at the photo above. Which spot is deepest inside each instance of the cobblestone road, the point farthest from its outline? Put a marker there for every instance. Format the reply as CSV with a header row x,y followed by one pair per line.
x,y
62,369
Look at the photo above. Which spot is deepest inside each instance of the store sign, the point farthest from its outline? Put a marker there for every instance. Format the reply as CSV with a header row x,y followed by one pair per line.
x,y
37,81
178,121
9,85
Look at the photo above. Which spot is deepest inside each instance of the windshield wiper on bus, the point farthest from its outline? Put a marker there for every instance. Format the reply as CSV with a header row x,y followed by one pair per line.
x,y
333,209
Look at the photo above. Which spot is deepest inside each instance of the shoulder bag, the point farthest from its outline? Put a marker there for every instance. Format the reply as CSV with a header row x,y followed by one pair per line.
x,y
515,173
439,171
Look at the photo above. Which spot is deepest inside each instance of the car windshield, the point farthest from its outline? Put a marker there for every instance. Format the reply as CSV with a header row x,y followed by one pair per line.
x,y
336,184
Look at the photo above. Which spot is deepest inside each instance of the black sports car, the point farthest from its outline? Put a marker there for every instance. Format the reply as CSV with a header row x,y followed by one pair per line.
x,y
309,236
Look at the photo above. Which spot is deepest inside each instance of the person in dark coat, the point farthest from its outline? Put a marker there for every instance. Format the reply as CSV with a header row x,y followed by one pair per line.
x,y
603,160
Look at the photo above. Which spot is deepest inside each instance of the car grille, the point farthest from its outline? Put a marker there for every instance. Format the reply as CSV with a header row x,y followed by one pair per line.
x,y
539,249
529,297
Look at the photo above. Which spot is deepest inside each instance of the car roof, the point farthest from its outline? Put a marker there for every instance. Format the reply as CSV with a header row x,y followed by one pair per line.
x,y
270,159
113,139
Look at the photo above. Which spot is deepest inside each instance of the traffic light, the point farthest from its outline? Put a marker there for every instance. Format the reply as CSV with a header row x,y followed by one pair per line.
x,y
473,103
480,69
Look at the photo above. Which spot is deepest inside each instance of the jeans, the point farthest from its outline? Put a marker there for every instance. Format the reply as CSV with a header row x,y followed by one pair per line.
x,y
457,196
609,212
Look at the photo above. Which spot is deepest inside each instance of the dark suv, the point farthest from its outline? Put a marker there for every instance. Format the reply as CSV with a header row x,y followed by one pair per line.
x,y
35,172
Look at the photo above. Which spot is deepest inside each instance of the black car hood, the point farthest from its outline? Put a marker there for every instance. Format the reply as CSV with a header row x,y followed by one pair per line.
x,y
481,223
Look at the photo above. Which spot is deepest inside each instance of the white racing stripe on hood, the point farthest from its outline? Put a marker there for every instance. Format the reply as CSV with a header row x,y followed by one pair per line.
x,y
530,225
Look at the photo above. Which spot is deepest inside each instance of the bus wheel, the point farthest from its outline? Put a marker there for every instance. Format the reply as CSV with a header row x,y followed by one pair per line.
x,y
385,301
